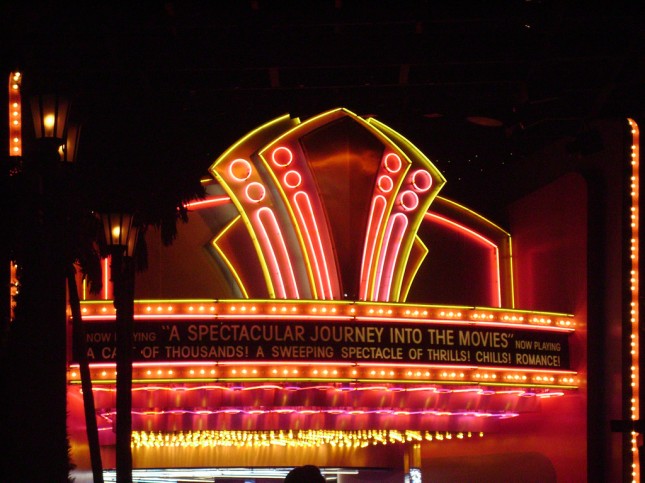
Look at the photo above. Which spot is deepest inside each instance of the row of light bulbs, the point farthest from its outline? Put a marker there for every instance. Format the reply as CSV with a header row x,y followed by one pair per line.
x,y
315,309
103,375
635,295
298,438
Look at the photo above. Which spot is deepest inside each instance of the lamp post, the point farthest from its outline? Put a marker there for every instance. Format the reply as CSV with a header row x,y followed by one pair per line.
x,y
43,183
121,237
37,337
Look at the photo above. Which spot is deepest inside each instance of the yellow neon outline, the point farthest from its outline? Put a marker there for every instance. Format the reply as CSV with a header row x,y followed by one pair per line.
x,y
503,241
328,116
460,226
405,288
287,204
260,134
411,152
379,241
225,258
298,131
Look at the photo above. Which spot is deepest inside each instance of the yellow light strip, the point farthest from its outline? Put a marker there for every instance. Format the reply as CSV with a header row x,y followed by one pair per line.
x,y
15,115
299,438
320,310
635,293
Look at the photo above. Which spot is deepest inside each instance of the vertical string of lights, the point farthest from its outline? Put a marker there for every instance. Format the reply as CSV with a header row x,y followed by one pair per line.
x,y
15,116
634,288
15,152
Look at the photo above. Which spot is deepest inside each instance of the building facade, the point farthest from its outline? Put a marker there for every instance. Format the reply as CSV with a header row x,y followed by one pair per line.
x,y
326,305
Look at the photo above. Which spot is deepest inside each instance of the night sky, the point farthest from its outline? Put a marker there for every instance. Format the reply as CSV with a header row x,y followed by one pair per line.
x,y
162,88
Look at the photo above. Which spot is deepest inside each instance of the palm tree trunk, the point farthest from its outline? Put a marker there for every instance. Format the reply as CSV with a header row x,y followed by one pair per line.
x,y
86,380
123,279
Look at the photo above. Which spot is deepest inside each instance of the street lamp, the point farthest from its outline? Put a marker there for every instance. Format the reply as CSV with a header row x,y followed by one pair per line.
x,y
58,142
121,237
49,113
38,335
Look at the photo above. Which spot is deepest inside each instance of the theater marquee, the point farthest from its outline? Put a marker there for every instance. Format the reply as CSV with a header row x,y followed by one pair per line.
x,y
337,341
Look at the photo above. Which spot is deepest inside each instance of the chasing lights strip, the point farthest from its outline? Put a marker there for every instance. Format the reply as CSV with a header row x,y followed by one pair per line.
x,y
15,115
323,310
310,438
635,295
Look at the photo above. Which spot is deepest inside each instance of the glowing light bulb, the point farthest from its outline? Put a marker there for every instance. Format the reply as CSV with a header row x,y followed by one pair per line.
x,y
49,120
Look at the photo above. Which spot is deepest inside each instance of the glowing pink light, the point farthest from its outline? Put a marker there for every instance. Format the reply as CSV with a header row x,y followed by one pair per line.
x,y
106,279
332,388
282,156
213,201
392,163
385,183
267,248
421,180
314,244
292,179
290,316
389,253
409,200
284,363
90,318
377,213
331,411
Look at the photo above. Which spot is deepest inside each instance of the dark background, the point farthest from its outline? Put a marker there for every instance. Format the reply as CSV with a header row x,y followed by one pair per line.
x,y
162,88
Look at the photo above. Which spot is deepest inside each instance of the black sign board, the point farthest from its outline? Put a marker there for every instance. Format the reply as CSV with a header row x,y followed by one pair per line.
x,y
334,341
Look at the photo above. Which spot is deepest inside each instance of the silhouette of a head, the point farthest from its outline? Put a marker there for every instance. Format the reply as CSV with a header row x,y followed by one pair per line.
x,y
305,474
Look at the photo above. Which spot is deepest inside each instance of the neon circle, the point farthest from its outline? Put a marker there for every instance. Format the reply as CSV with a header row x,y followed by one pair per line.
x,y
392,163
239,169
385,183
292,179
255,192
421,180
409,200
282,156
